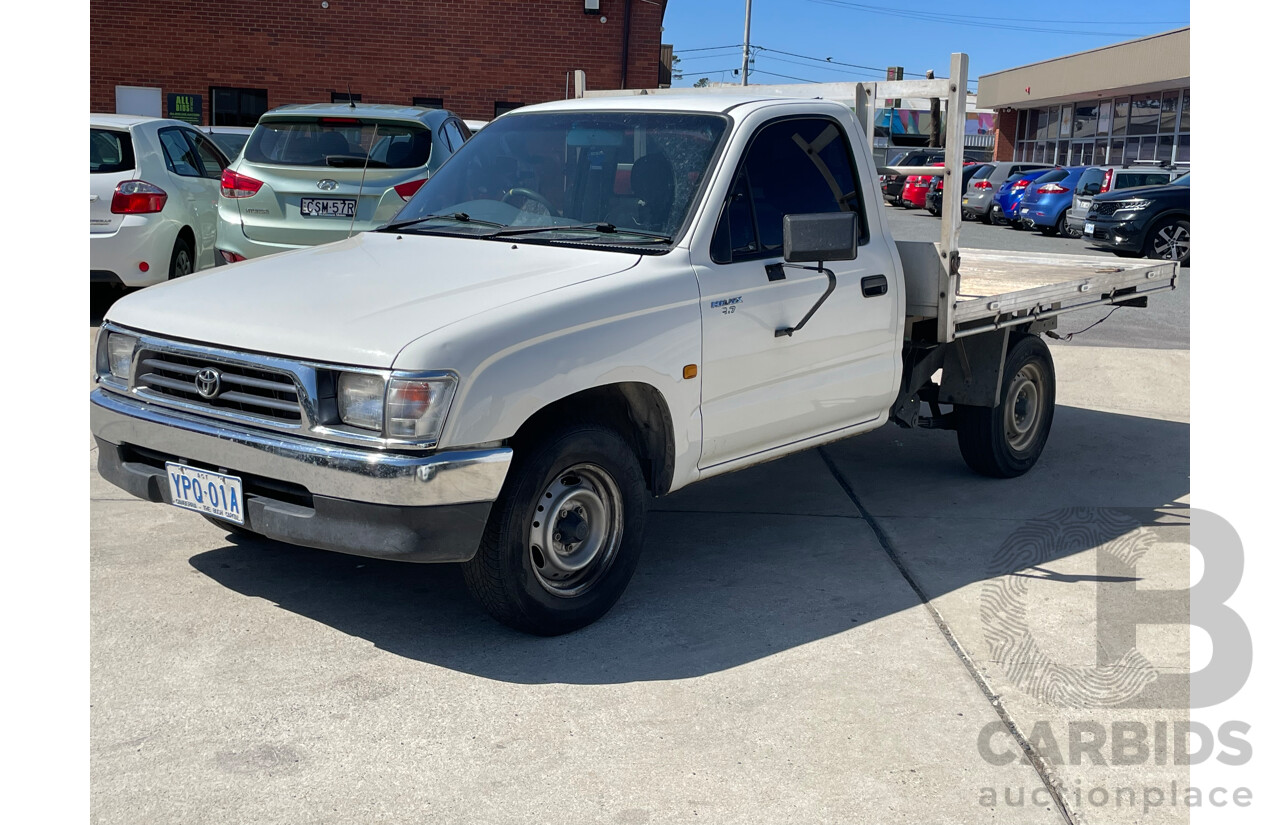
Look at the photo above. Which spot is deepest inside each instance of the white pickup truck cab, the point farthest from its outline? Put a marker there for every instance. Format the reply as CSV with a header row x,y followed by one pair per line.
x,y
591,304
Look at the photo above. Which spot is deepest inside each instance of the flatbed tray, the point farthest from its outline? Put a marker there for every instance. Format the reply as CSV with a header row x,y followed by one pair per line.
x,y
998,289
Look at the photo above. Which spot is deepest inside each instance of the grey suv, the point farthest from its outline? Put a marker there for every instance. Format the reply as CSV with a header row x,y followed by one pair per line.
x,y
1101,179
315,173
981,192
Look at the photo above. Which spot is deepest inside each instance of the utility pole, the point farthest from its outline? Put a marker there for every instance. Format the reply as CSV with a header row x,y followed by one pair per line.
x,y
935,116
746,44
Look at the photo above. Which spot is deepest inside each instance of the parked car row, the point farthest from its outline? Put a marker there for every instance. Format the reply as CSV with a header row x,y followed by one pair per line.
x,y
167,199
1131,211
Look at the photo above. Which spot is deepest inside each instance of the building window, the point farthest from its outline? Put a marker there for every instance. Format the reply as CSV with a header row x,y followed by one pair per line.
x,y
344,97
429,102
230,106
501,107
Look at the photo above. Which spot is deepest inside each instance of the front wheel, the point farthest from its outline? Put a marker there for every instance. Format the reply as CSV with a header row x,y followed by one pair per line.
x,y
1006,441
564,536
1170,240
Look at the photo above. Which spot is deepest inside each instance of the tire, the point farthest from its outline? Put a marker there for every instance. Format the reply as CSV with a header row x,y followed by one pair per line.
x,y
183,260
522,574
986,217
1006,441
1169,240
1059,228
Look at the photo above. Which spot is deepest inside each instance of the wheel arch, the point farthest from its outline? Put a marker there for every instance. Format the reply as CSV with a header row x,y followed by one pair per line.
x,y
638,411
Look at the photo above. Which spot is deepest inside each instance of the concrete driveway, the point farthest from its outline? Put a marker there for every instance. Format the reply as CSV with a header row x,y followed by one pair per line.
x,y
821,639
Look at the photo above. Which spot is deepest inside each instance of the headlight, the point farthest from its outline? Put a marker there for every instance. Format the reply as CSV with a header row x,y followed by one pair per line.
x,y
1135,205
360,399
120,354
416,406
403,408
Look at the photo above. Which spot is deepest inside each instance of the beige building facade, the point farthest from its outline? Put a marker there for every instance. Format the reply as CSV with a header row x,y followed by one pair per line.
x,y
1128,103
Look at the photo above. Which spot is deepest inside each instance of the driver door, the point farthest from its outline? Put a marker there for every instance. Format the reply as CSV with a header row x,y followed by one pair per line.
x,y
761,391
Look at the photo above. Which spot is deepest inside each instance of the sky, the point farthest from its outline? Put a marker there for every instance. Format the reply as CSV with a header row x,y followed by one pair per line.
x,y
798,36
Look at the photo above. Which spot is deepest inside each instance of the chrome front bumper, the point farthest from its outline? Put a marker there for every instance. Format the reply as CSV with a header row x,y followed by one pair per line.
x,y
391,505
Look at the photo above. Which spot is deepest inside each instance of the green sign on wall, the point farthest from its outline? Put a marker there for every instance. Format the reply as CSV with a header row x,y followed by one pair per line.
x,y
189,108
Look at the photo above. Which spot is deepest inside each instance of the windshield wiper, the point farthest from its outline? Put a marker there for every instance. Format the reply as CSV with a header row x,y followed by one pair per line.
x,y
460,217
602,228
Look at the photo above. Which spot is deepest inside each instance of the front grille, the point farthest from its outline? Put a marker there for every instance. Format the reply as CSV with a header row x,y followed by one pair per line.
x,y
1104,207
240,388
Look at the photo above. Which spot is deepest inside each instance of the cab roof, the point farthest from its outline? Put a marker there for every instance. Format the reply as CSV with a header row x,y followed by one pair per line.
x,y
708,102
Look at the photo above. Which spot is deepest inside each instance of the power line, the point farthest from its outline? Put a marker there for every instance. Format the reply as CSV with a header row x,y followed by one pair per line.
x,y
711,48
934,17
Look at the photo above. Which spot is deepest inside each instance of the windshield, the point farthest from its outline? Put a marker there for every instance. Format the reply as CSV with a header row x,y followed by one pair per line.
x,y
339,141
620,172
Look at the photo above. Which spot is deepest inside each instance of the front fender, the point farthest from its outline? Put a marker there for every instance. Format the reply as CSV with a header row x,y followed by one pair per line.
x,y
641,325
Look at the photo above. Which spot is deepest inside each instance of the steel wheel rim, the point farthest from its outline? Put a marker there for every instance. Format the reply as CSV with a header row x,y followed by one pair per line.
x,y
1172,242
576,530
1024,409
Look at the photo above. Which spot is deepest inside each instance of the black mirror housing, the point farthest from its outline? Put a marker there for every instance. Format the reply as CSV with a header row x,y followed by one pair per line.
x,y
824,236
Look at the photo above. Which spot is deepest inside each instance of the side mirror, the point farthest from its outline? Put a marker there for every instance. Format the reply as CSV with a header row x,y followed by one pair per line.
x,y
827,236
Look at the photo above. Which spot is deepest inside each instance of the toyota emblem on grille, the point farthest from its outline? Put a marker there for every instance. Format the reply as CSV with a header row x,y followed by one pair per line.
x,y
208,380
328,184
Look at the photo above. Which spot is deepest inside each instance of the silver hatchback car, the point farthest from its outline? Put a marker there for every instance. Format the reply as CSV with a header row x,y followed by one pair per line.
x,y
314,173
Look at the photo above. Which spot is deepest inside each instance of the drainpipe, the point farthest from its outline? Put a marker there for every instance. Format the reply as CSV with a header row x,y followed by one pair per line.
x,y
626,41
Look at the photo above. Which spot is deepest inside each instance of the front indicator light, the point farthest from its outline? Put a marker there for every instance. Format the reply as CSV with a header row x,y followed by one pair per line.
x,y
416,407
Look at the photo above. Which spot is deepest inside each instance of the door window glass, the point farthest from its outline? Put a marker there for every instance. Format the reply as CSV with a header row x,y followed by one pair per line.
x,y
179,155
211,160
793,167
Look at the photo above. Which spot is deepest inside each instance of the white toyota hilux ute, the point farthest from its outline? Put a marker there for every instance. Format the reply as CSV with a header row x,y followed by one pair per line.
x,y
592,303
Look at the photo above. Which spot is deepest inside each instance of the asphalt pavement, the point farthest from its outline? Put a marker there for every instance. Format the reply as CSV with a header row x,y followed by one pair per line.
x,y
851,634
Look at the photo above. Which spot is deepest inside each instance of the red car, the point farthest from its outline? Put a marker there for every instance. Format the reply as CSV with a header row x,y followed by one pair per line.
x,y
913,191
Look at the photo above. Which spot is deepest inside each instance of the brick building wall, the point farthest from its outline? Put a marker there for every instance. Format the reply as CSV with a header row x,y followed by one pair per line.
x,y
470,53
1006,133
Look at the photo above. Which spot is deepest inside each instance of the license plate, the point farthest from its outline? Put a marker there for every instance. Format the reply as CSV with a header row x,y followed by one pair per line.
x,y
964,201
328,207
213,493
1025,211
1088,228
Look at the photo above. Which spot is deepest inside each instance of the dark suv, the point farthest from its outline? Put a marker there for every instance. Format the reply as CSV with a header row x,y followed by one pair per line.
x,y
1154,221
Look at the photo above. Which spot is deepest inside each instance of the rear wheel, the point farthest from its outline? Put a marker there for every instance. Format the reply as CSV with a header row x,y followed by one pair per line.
x,y
564,536
1006,441
182,262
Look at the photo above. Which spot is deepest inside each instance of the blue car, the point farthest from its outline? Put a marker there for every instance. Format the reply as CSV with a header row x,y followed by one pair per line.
x,y
1004,206
1046,202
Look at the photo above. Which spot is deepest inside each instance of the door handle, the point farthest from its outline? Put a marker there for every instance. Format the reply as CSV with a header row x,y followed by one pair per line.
x,y
875,285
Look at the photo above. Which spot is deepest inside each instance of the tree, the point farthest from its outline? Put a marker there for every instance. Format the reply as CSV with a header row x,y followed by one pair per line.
x,y
702,81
